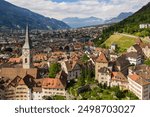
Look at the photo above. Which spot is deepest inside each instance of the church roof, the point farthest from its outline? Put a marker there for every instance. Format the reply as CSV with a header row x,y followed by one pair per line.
x,y
13,72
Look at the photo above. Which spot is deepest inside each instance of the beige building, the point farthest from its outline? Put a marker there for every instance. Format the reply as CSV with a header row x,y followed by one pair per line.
x,y
101,62
104,76
20,88
146,50
10,93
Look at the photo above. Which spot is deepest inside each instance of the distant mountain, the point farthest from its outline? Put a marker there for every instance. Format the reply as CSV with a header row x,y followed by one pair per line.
x,y
15,17
119,18
76,22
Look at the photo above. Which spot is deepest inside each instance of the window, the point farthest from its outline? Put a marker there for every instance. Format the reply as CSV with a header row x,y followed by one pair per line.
x,y
25,60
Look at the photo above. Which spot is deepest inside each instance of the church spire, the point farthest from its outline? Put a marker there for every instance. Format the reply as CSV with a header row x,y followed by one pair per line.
x,y
27,41
26,51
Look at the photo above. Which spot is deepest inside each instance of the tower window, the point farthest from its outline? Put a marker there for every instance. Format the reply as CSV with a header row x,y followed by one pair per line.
x,y
25,60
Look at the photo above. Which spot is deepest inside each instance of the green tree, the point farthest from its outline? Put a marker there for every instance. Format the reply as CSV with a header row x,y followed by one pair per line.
x,y
147,62
47,98
54,69
81,81
58,97
84,58
131,96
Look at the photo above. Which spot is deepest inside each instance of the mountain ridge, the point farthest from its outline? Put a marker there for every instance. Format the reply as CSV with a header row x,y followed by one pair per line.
x,y
16,17
119,18
76,22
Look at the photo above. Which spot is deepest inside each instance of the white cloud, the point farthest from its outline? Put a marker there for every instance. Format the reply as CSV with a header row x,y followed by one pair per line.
x,y
81,8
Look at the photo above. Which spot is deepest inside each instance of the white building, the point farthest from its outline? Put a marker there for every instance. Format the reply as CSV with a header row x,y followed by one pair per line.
x,y
134,58
141,26
37,93
139,86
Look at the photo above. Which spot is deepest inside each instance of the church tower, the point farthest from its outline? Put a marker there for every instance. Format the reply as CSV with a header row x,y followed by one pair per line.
x,y
26,52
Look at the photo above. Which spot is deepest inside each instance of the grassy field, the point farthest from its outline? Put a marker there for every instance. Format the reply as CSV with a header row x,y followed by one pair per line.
x,y
122,41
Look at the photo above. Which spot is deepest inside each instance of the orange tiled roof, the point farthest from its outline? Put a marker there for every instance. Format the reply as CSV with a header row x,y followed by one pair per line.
x,y
118,76
52,83
40,57
15,60
141,81
21,82
102,58
134,77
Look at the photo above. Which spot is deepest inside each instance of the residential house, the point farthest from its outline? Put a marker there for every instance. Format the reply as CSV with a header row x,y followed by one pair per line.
x,y
137,49
146,50
53,86
134,58
104,76
37,89
20,88
15,60
72,69
118,79
40,57
121,65
113,48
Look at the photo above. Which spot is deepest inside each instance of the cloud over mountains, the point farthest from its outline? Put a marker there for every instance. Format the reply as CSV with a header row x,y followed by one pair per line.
x,y
80,8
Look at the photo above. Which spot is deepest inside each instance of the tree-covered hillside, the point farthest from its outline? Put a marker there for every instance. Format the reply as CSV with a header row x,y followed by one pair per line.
x,y
129,25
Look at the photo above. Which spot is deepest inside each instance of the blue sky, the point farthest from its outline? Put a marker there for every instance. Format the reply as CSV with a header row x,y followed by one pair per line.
x,y
60,9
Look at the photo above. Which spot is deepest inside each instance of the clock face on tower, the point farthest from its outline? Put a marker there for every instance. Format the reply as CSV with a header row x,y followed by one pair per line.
x,y
26,52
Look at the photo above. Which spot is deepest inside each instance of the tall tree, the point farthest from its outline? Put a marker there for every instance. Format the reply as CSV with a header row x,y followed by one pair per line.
x,y
54,69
